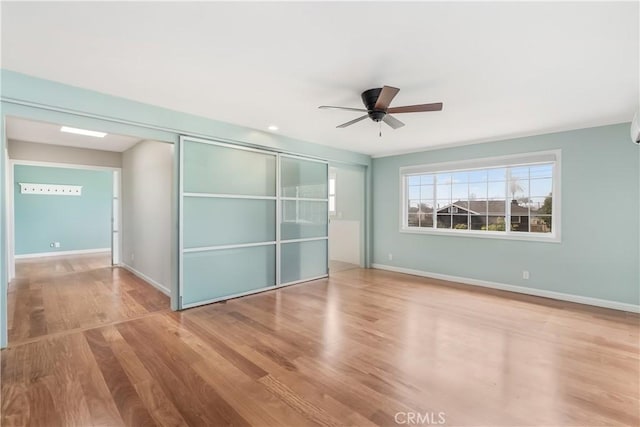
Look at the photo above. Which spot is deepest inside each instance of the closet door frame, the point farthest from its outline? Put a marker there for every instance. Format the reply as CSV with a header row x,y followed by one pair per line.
x,y
278,217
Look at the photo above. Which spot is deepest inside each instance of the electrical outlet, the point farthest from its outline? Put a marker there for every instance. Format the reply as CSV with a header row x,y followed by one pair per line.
x,y
57,244
525,274
51,245
390,257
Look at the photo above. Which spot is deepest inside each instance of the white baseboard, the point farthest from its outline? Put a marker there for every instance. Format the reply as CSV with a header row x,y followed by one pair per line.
x,y
63,253
147,279
513,288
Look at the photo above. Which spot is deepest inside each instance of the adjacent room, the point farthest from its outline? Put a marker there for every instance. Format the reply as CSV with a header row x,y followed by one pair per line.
x,y
74,214
320,213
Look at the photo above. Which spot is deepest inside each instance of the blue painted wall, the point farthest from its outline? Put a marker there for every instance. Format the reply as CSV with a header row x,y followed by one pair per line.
x,y
77,222
599,253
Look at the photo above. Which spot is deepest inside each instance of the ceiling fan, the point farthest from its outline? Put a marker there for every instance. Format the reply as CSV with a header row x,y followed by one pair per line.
x,y
377,102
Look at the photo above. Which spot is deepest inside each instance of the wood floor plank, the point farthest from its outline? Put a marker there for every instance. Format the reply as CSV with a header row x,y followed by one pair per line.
x,y
130,406
160,407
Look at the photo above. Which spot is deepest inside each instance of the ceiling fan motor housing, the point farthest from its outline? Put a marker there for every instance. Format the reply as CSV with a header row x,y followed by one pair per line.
x,y
369,98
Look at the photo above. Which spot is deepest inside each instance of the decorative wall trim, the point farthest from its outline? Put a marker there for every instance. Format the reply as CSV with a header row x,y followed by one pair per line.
x,y
63,253
518,289
51,189
147,279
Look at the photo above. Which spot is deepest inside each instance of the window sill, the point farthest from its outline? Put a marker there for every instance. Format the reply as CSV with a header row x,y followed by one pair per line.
x,y
532,237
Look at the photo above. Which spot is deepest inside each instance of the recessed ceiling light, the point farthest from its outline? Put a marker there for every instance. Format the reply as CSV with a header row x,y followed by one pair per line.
x,y
272,127
83,132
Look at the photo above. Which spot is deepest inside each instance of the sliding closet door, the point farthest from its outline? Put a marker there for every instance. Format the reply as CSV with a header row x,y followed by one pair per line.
x,y
228,221
250,220
303,219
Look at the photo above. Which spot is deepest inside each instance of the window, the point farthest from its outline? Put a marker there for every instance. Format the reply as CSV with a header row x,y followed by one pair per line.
x,y
507,197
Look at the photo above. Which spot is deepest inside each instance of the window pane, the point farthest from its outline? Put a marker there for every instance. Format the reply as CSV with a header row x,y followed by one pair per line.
x,y
541,223
444,192
426,180
519,190
496,207
477,207
541,205
426,206
460,222
497,190
412,220
426,219
478,176
478,222
541,171
460,177
414,192
495,223
426,213
442,204
460,192
443,178
519,220
497,174
544,207
541,187
444,221
413,180
413,206
478,191
520,172
426,192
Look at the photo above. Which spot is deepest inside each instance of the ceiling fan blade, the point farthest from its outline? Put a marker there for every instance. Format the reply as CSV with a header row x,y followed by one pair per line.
x,y
392,121
344,125
325,107
437,106
386,96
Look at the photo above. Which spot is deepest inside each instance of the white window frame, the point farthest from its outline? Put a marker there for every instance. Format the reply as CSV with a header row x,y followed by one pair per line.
x,y
531,158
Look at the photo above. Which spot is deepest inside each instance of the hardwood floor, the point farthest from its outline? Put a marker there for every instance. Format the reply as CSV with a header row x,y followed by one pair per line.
x,y
57,294
365,347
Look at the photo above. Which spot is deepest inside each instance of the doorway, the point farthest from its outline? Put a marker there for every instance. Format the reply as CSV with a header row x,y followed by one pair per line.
x,y
346,217
66,229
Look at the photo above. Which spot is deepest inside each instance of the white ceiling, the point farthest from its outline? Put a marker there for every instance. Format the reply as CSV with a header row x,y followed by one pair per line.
x,y
48,133
502,69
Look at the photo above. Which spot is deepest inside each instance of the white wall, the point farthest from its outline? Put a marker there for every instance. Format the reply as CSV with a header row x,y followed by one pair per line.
x,y
21,150
147,188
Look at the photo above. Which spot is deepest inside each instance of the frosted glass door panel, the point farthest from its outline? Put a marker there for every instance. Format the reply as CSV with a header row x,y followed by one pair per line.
x,y
303,178
222,273
303,219
223,170
303,260
222,221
